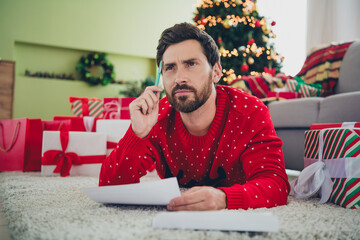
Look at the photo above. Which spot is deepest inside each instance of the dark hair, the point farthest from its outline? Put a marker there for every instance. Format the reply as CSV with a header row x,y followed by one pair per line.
x,y
186,31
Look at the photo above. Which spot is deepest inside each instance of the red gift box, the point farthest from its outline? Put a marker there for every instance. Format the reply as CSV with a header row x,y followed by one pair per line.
x,y
83,106
79,124
56,125
117,108
20,144
319,126
284,95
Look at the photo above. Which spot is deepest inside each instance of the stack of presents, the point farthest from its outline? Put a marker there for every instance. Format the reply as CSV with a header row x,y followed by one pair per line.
x,y
67,145
317,77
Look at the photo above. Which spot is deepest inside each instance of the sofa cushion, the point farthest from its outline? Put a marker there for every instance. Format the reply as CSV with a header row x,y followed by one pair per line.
x,y
349,76
342,107
295,112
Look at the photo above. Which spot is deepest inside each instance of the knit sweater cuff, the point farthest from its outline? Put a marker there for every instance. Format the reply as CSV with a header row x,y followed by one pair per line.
x,y
236,197
131,141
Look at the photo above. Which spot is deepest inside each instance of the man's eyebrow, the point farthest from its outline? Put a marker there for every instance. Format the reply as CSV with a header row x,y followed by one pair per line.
x,y
190,60
184,61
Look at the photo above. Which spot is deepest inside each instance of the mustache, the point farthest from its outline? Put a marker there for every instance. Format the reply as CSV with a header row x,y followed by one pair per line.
x,y
182,87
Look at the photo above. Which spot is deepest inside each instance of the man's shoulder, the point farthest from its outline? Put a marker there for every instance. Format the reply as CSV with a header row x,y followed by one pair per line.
x,y
240,101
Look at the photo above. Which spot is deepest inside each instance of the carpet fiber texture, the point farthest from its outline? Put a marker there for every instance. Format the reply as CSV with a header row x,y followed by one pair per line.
x,y
38,207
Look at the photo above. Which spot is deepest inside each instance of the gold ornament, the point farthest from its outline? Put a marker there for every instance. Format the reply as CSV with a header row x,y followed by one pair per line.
x,y
266,29
222,50
231,78
265,38
227,23
250,60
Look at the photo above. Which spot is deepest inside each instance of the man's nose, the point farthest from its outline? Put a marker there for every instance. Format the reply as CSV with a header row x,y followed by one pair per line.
x,y
180,77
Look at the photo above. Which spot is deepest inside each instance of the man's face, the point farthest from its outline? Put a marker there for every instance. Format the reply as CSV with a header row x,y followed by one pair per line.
x,y
187,76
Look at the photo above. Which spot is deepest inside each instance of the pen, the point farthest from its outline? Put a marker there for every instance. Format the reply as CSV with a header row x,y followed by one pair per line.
x,y
158,75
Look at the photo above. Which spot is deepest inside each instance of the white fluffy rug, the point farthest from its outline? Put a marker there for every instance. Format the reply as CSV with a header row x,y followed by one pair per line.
x,y
38,207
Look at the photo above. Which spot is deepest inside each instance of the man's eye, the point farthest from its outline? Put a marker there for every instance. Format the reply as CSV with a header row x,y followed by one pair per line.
x,y
168,68
191,64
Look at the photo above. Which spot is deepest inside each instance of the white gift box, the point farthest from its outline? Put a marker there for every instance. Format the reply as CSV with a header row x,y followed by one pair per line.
x,y
89,148
114,129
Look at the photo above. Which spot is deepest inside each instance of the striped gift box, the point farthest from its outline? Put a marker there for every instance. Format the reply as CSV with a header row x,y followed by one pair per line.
x,y
304,89
339,148
82,106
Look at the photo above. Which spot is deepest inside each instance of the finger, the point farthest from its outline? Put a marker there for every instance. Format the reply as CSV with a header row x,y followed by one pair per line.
x,y
151,100
142,106
153,89
186,198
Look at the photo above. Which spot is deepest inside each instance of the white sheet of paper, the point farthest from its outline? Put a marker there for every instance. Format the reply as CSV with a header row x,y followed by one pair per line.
x,y
218,220
158,192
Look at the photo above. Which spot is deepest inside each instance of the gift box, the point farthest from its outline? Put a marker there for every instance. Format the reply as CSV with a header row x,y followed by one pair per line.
x,y
56,125
316,126
283,95
81,124
72,153
82,106
20,144
117,108
114,131
305,89
332,167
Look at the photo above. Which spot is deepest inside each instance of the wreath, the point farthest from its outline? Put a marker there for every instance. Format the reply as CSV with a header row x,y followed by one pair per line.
x,y
96,69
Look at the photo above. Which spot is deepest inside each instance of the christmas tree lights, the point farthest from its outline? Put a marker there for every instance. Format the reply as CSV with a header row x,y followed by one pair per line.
x,y
242,36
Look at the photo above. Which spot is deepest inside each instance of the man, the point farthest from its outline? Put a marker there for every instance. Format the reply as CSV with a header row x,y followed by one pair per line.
x,y
215,139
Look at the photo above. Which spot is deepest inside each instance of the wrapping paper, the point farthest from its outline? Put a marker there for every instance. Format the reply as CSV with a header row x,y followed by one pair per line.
x,y
72,153
283,95
83,106
20,144
117,108
332,167
82,124
114,131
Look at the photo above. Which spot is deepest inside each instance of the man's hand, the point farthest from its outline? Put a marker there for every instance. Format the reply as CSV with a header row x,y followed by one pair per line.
x,y
199,199
144,111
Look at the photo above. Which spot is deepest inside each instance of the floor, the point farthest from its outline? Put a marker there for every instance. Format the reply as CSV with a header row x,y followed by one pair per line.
x,y
4,233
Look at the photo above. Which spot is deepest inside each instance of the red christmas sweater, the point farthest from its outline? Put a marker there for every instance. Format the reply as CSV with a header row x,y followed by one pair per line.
x,y
240,154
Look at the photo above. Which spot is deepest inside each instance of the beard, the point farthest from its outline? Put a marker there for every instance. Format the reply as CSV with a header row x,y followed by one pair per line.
x,y
184,103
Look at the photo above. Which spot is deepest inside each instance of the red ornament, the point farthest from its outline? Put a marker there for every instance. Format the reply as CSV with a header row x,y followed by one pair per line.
x,y
270,71
219,41
196,18
273,23
203,21
257,23
244,67
251,41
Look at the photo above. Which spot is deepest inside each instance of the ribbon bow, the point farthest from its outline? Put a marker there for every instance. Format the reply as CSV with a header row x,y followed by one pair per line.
x,y
112,110
63,160
314,179
300,82
270,71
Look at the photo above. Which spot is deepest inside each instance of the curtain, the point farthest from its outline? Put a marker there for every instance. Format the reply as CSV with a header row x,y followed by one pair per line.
x,y
332,21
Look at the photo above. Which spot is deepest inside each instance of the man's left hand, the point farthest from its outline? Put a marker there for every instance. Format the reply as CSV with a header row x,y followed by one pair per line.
x,y
199,199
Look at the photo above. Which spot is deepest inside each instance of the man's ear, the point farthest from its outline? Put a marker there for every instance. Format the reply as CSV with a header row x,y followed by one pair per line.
x,y
217,72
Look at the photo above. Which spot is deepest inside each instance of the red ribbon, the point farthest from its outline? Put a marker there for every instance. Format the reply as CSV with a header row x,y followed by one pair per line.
x,y
111,144
65,160
270,71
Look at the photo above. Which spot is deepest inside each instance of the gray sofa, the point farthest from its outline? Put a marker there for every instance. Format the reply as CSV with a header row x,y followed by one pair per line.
x,y
293,117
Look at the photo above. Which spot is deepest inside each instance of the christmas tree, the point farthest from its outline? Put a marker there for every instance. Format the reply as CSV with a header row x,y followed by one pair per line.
x,y
242,35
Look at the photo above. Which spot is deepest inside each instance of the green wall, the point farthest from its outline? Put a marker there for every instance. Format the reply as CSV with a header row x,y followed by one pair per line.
x,y
51,36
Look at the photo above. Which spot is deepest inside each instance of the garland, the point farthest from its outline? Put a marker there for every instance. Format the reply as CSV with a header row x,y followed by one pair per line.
x,y
95,59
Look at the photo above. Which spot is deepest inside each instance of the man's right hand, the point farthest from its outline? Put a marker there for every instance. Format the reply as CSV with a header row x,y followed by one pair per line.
x,y
144,111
